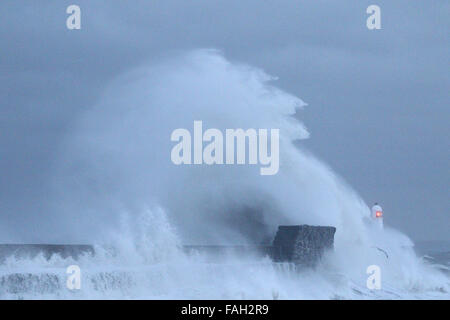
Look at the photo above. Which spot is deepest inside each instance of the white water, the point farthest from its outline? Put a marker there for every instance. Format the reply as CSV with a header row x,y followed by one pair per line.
x,y
115,186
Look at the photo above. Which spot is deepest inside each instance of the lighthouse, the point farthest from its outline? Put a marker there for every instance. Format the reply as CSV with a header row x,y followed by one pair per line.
x,y
377,215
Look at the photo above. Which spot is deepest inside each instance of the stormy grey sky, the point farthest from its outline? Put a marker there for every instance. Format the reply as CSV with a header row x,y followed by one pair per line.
x,y
378,100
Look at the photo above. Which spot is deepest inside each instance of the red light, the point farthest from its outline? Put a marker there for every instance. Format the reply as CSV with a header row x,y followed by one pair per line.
x,y
378,214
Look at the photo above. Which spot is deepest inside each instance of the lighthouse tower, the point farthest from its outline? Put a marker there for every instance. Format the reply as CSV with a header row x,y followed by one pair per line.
x,y
377,214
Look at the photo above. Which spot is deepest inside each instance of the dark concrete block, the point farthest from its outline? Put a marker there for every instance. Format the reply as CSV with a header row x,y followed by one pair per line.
x,y
30,251
303,245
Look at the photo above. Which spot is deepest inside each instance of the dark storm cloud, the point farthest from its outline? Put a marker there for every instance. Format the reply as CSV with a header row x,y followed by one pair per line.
x,y
378,99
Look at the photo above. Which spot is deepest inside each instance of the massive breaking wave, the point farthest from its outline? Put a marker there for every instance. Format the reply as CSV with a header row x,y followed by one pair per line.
x,y
116,187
